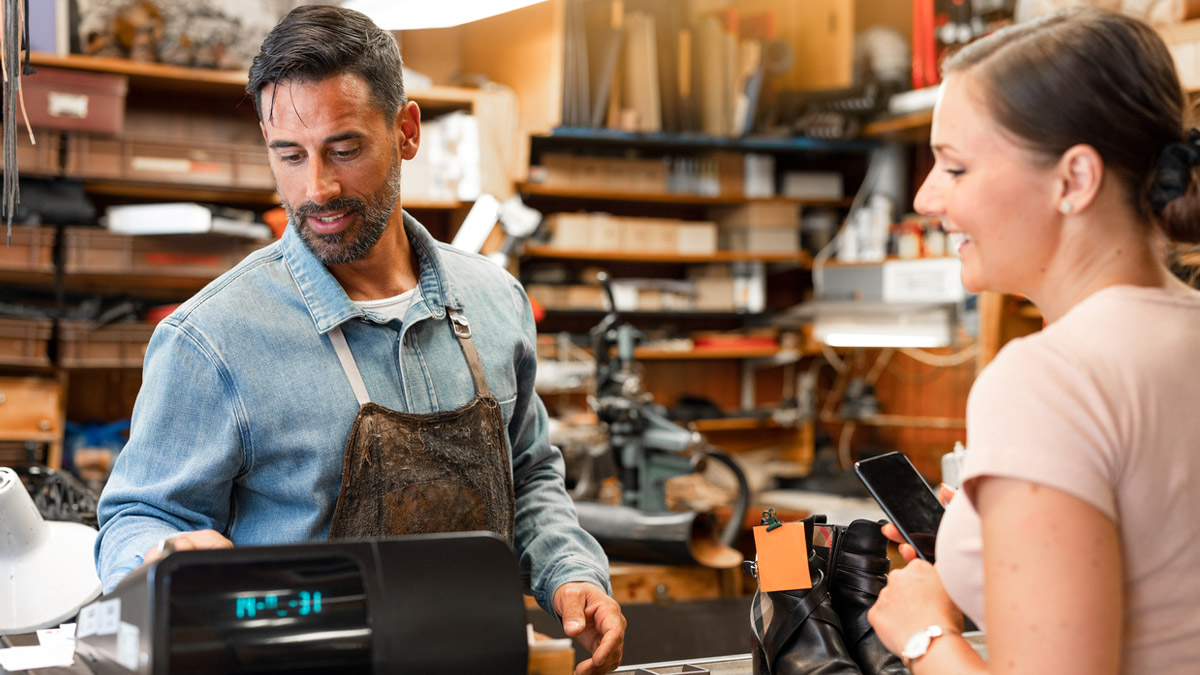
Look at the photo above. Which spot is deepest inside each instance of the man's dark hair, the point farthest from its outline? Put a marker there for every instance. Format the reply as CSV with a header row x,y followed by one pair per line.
x,y
317,41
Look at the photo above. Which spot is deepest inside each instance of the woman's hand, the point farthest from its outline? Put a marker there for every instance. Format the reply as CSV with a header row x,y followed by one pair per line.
x,y
946,493
913,600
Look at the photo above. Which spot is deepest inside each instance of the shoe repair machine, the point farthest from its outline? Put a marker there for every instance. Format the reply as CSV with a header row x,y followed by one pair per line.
x,y
648,449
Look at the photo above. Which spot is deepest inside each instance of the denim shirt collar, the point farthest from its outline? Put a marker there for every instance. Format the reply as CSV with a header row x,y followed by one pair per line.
x,y
326,300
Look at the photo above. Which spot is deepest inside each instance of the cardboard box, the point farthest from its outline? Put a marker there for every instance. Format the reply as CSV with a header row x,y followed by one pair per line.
x,y
714,294
765,214
695,238
549,296
74,100
585,297
156,161
95,251
117,345
585,231
813,185
32,250
40,158
761,239
23,342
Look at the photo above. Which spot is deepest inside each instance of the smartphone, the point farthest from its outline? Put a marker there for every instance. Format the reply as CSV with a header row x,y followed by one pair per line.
x,y
905,497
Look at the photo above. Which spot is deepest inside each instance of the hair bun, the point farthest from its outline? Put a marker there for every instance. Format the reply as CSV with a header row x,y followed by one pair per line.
x,y
1174,173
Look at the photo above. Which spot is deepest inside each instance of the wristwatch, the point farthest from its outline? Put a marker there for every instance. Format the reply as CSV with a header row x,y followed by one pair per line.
x,y
918,644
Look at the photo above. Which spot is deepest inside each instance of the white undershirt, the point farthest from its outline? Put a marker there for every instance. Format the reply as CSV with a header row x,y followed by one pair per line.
x,y
391,308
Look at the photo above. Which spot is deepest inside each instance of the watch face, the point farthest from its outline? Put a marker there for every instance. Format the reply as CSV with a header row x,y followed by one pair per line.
x,y
917,645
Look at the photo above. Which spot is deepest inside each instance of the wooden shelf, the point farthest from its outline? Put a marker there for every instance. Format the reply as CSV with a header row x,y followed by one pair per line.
x,y
704,353
906,421
173,192
163,77
575,136
737,424
800,258
562,192
910,128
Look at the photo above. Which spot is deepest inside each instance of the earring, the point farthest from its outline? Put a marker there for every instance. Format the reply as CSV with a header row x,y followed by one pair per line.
x,y
1065,207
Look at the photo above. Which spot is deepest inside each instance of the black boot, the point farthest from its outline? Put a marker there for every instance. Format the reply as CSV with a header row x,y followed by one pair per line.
x,y
798,632
857,575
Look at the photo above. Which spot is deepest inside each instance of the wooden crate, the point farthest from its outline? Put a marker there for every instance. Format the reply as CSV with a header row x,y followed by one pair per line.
x,y
23,342
118,345
155,160
32,250
95,251
40,158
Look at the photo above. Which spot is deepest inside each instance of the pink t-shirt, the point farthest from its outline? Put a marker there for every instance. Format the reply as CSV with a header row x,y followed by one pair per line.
x,y
1104,404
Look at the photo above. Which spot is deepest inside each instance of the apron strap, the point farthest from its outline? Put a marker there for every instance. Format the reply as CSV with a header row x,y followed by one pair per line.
x,y
349,366
462,330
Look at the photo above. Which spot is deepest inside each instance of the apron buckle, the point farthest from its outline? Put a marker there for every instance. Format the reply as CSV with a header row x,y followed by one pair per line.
x,y
462,327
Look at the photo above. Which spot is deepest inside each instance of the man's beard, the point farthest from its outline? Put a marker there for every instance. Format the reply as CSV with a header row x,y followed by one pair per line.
x,y
357,240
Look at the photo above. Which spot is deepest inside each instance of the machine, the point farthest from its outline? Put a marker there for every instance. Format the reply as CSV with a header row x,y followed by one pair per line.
x,y
431,604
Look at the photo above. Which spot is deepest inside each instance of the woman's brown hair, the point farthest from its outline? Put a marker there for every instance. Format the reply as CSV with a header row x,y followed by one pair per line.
x,y
1086,76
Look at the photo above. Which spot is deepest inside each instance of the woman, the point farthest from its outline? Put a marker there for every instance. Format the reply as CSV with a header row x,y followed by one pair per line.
x,y
1061,163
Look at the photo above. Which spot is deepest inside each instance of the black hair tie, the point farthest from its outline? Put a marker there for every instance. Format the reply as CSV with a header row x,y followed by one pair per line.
x,y
1175,170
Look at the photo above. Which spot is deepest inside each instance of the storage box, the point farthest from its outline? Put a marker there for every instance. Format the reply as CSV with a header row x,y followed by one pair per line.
x,y
761,239
757,214
585,231
39,158
117,345
32,250
813,185
696,238
714,294
23,342
75,100
585,298
156,161
95,251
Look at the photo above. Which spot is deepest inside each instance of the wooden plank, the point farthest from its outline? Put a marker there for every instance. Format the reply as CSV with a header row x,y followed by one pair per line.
x,y
642,583
799,258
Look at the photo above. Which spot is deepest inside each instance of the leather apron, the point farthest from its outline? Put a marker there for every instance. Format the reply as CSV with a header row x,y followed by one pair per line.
x,y
405,473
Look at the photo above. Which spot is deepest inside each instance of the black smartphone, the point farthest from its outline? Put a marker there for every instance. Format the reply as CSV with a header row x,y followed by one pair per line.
x,y
905,497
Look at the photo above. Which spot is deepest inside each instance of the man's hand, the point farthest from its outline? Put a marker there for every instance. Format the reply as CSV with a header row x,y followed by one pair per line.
x,y
191,541
594,619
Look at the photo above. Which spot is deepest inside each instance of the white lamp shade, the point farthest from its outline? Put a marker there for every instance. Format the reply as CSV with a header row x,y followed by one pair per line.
x,y
46,568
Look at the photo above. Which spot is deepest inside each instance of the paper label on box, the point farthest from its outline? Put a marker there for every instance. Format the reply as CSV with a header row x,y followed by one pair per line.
x,y
87,621
66,104
128,649
161,165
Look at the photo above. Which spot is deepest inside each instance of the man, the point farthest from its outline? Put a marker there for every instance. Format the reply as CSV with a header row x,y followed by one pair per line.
x,y
355,378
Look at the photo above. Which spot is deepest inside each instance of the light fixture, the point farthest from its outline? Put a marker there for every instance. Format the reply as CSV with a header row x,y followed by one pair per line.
x,y
46,568
417,14
848,324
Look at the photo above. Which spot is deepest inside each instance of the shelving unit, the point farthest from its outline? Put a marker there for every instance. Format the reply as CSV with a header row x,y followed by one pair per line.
x,y
162,97
735,378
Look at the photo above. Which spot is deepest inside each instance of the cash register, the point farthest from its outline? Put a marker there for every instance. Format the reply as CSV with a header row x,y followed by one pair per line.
x,y
429,604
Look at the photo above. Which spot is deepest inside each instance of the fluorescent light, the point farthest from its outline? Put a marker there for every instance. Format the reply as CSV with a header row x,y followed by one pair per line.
x,y
881,340
849,325
416,14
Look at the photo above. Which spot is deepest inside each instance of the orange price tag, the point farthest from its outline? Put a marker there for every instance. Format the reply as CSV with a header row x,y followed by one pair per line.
x,y
782,558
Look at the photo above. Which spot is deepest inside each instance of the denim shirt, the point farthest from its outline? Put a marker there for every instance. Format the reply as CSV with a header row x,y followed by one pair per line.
x,y
244,409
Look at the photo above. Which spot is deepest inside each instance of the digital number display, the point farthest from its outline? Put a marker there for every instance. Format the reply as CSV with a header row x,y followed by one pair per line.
x,y
309,615
302,603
